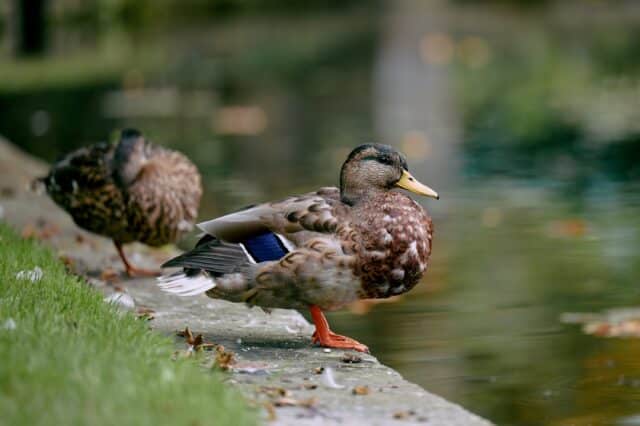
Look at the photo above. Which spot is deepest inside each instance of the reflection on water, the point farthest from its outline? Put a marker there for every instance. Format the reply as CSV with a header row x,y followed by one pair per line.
x,y
531,140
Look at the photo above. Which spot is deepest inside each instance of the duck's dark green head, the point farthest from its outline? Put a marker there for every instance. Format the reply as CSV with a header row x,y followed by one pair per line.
x,y
372,168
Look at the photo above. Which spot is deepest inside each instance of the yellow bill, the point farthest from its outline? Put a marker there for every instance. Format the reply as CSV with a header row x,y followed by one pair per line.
x,y
410,183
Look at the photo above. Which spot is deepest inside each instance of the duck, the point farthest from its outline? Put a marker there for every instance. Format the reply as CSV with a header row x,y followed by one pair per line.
x,y
318,251
129,191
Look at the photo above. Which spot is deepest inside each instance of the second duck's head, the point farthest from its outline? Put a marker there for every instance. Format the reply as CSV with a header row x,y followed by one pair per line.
x,y
372,168
130,156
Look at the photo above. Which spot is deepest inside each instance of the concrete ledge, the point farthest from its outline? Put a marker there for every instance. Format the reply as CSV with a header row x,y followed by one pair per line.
x,y
275,364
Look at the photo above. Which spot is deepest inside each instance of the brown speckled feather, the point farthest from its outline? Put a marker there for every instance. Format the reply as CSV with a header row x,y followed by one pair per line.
x,y
131,191
339,253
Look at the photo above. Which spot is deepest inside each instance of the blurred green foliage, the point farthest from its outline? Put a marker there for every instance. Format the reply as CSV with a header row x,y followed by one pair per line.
x,y
556,105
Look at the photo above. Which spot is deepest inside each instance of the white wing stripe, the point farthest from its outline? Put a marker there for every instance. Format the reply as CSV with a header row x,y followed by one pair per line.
x,y
183,285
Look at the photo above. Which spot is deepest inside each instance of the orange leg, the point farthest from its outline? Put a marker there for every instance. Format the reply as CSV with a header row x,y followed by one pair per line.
x,y
131,270
325,337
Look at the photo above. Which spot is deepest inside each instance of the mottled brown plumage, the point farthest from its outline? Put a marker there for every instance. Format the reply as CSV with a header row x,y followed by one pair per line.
x,y
320,250
130,191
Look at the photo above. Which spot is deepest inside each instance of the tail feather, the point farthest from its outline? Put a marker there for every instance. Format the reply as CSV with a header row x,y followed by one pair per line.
x,y
183,284
214,256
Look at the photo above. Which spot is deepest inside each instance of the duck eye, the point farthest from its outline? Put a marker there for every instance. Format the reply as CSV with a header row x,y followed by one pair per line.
x,y
385,160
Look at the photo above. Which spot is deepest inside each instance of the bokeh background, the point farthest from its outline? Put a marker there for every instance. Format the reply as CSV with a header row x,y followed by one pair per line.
x,y
523,114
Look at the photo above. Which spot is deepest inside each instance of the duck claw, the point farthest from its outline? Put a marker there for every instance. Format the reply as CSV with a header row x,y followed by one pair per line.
x,y
338,341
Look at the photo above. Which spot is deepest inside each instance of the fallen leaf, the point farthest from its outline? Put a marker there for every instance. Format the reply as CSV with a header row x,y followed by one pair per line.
x,y
310,386
224,359
318,370
67,261
400,415
351,359
292,402
197,343
275,391
361,390
145,313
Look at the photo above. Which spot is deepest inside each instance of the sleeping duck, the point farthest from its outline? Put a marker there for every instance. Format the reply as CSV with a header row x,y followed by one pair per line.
x,y
318,251
130,191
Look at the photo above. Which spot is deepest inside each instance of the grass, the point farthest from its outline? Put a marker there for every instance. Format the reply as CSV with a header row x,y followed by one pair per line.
x,y
71,359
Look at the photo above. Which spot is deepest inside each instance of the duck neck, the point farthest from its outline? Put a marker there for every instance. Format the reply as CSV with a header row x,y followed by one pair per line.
x,y
355,194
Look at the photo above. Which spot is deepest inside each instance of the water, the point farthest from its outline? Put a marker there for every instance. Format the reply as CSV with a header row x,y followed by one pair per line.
x,y
531,140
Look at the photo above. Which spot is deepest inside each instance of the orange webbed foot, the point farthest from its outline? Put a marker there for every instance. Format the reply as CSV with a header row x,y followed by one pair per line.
x,y
338,341
327,338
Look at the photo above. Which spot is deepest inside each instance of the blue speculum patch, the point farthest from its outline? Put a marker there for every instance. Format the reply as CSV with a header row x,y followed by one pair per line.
x,y
265,247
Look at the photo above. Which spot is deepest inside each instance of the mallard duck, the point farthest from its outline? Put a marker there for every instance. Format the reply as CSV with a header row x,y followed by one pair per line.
x,y
129,191
318,251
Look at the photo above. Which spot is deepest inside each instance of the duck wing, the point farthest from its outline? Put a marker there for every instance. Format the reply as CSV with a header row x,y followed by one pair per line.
x,y
294,218
264,245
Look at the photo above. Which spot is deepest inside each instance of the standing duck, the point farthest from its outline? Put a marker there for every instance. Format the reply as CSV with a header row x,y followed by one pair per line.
x,y
318,251
130,191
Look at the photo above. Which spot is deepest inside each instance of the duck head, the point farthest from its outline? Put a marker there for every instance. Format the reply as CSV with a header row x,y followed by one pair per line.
x,y
371,169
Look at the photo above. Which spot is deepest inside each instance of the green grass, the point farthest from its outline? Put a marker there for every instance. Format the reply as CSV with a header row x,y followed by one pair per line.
x,y
74,360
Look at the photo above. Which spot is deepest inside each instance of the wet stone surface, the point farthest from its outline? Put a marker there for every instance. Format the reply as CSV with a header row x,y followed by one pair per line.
x,y
268,356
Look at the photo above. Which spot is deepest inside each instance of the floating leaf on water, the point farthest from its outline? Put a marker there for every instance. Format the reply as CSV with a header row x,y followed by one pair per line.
x,y
328,380
568,228
620,322
33,275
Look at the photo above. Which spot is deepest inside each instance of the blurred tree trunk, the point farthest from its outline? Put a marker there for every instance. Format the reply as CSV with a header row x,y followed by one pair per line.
x,y
415,103
31,27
